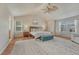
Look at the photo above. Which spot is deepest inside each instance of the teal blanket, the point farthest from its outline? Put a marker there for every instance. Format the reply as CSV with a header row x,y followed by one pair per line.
x,y
46,37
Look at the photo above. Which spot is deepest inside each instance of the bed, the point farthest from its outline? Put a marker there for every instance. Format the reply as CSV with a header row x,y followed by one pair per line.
x,y
39,33
42,35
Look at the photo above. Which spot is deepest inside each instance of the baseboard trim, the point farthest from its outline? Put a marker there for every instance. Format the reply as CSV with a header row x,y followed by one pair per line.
x,y
62,36
4,47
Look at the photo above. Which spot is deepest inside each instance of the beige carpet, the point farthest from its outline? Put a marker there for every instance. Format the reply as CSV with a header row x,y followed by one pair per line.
x,y
57,46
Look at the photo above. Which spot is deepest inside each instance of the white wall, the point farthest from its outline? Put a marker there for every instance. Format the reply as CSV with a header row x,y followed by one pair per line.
x,y
42,18
51,25
69,20
4,27
28,20
77,26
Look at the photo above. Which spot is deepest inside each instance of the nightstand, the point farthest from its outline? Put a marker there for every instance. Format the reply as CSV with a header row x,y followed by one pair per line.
x,y
27,34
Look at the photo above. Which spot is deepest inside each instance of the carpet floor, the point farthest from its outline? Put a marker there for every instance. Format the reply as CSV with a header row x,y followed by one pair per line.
x,y
56,46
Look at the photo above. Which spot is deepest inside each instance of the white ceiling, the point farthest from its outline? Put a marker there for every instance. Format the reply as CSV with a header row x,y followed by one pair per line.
x,y
18,9
64,9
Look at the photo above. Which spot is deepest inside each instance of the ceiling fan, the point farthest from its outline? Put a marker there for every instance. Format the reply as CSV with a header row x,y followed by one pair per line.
x,y
49,8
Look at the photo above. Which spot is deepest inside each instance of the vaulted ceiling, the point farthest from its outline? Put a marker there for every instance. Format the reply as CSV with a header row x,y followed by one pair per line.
x,y
64,9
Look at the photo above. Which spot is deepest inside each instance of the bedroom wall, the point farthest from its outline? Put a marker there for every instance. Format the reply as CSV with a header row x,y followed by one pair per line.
x,y
4,27
25,20
28,20
67,20
51,26
11,27
42,18
77,26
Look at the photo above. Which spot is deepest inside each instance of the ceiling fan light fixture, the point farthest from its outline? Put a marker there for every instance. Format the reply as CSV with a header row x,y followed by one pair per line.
x,y
50,8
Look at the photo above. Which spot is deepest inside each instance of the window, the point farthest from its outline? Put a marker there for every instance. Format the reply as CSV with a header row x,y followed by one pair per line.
x,y
18,26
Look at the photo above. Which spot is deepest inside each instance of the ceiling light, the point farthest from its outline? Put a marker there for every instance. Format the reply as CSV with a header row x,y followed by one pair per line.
x,y
49,8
